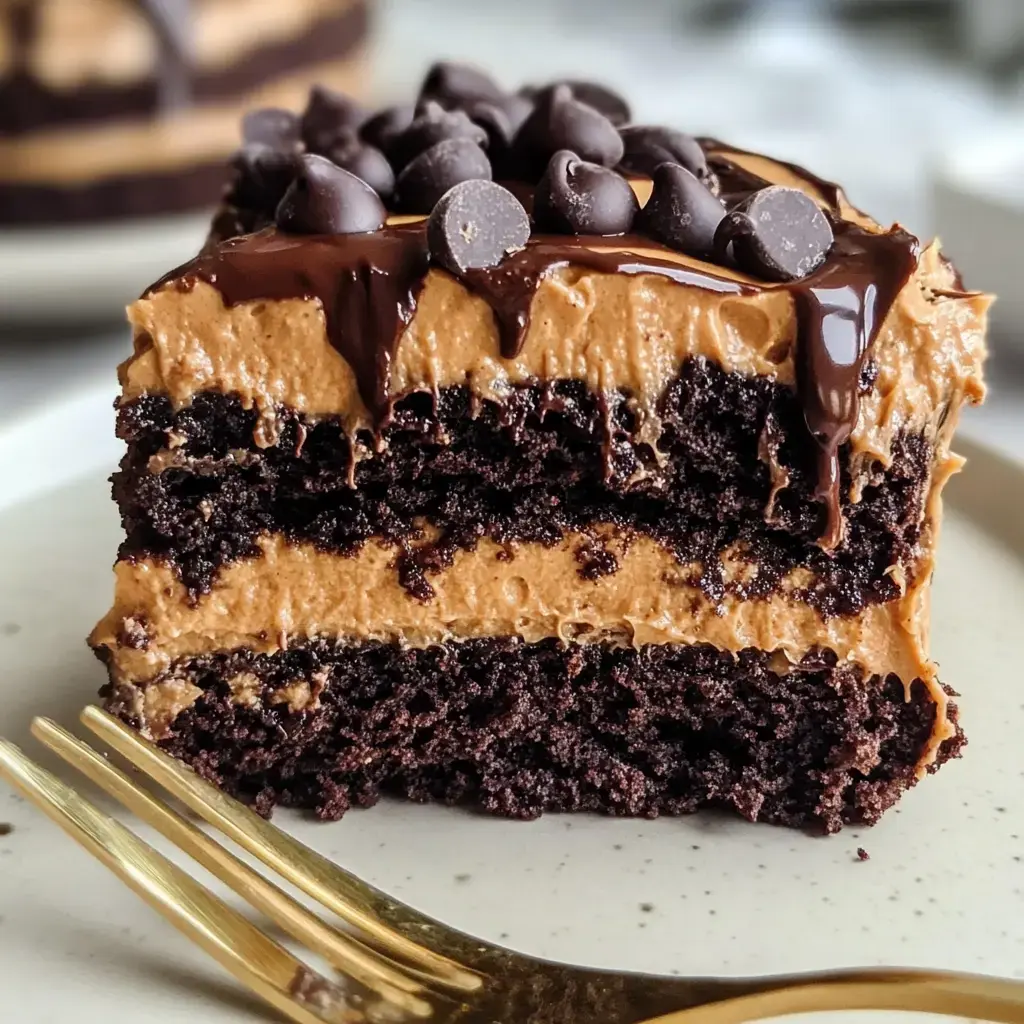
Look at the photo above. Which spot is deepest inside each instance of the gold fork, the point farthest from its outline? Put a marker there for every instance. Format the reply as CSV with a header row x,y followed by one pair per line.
x,y
397,966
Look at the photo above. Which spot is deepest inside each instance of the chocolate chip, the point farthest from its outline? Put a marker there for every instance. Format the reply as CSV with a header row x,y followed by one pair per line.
x,y
272,126
453,85
650,145
326,200
424,181
600,97
579,198
327,116
559,121
351,154
777,233
501,120
263,174
433,124
475,224
384,127
682,212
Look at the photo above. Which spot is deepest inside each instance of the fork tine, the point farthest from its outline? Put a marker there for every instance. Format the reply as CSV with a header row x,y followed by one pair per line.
x,y
386,921
345,952
253,958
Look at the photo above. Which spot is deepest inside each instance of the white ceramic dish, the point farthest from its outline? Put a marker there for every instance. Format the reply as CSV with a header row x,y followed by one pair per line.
x,y
978,197
85,273
944,886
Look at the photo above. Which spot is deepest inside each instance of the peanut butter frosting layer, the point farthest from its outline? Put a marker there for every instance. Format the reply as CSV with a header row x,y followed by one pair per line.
x,y
66,44
527,590
293,592
200,135
614,331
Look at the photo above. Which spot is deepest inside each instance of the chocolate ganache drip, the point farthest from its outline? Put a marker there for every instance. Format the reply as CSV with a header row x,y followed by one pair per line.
x,y
840,309
366,285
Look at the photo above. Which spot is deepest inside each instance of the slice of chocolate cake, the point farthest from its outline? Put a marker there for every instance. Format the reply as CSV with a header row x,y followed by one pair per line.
x,y
122,108
611,487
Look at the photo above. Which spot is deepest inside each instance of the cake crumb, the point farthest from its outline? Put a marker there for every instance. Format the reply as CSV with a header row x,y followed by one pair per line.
x,y
863,854
647,907
6,828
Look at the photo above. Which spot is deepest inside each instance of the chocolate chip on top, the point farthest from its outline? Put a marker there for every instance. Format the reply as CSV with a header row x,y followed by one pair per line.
x,y
325,200
328,116
682,212
776,233
560,121
647,146
351,154
272,126
595,95
384,127
450,162
262,175
474,225
454,85
433,124
582,198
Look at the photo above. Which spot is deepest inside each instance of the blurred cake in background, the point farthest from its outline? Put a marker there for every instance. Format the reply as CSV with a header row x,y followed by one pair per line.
x,y
112,109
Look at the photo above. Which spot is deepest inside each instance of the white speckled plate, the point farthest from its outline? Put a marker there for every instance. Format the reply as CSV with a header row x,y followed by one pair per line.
x,y
89,272
944,886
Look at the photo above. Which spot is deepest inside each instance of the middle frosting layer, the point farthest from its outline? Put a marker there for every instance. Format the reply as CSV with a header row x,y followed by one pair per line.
x,y
528,590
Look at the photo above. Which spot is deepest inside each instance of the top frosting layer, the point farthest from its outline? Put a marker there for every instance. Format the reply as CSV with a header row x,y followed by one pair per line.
x,y
765,269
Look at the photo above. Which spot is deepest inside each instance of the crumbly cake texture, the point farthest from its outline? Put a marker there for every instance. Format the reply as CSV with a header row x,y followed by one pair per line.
x,y
124,108
499,451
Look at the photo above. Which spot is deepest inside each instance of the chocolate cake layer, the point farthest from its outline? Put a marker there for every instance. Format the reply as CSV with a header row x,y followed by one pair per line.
x,y
530,469
521,729
29,105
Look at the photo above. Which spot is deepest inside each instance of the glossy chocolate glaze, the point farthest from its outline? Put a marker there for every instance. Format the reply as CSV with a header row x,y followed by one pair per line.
x,y
840,309
365,283
367,286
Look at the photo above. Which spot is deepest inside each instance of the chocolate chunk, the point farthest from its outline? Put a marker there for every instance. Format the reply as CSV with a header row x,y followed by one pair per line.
x,y
600,97
328,115
579,198
351,154
448,163
559,121
777,233
501,120
475,224
682,212
326,200
263,174
433,124
650,145
384,127
272,126
454,85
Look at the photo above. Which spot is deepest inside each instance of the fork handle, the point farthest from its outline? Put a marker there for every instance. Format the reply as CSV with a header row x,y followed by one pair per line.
x,y
944,993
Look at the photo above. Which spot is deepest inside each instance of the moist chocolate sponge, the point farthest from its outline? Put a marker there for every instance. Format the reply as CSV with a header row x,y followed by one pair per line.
x,y
546,461
519,729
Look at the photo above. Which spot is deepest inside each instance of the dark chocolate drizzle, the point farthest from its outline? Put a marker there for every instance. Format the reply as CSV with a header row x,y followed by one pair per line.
x,y
840,309
368,284
509,287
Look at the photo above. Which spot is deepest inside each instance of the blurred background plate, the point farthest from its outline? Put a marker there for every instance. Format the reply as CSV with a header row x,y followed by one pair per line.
x,y
71,275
